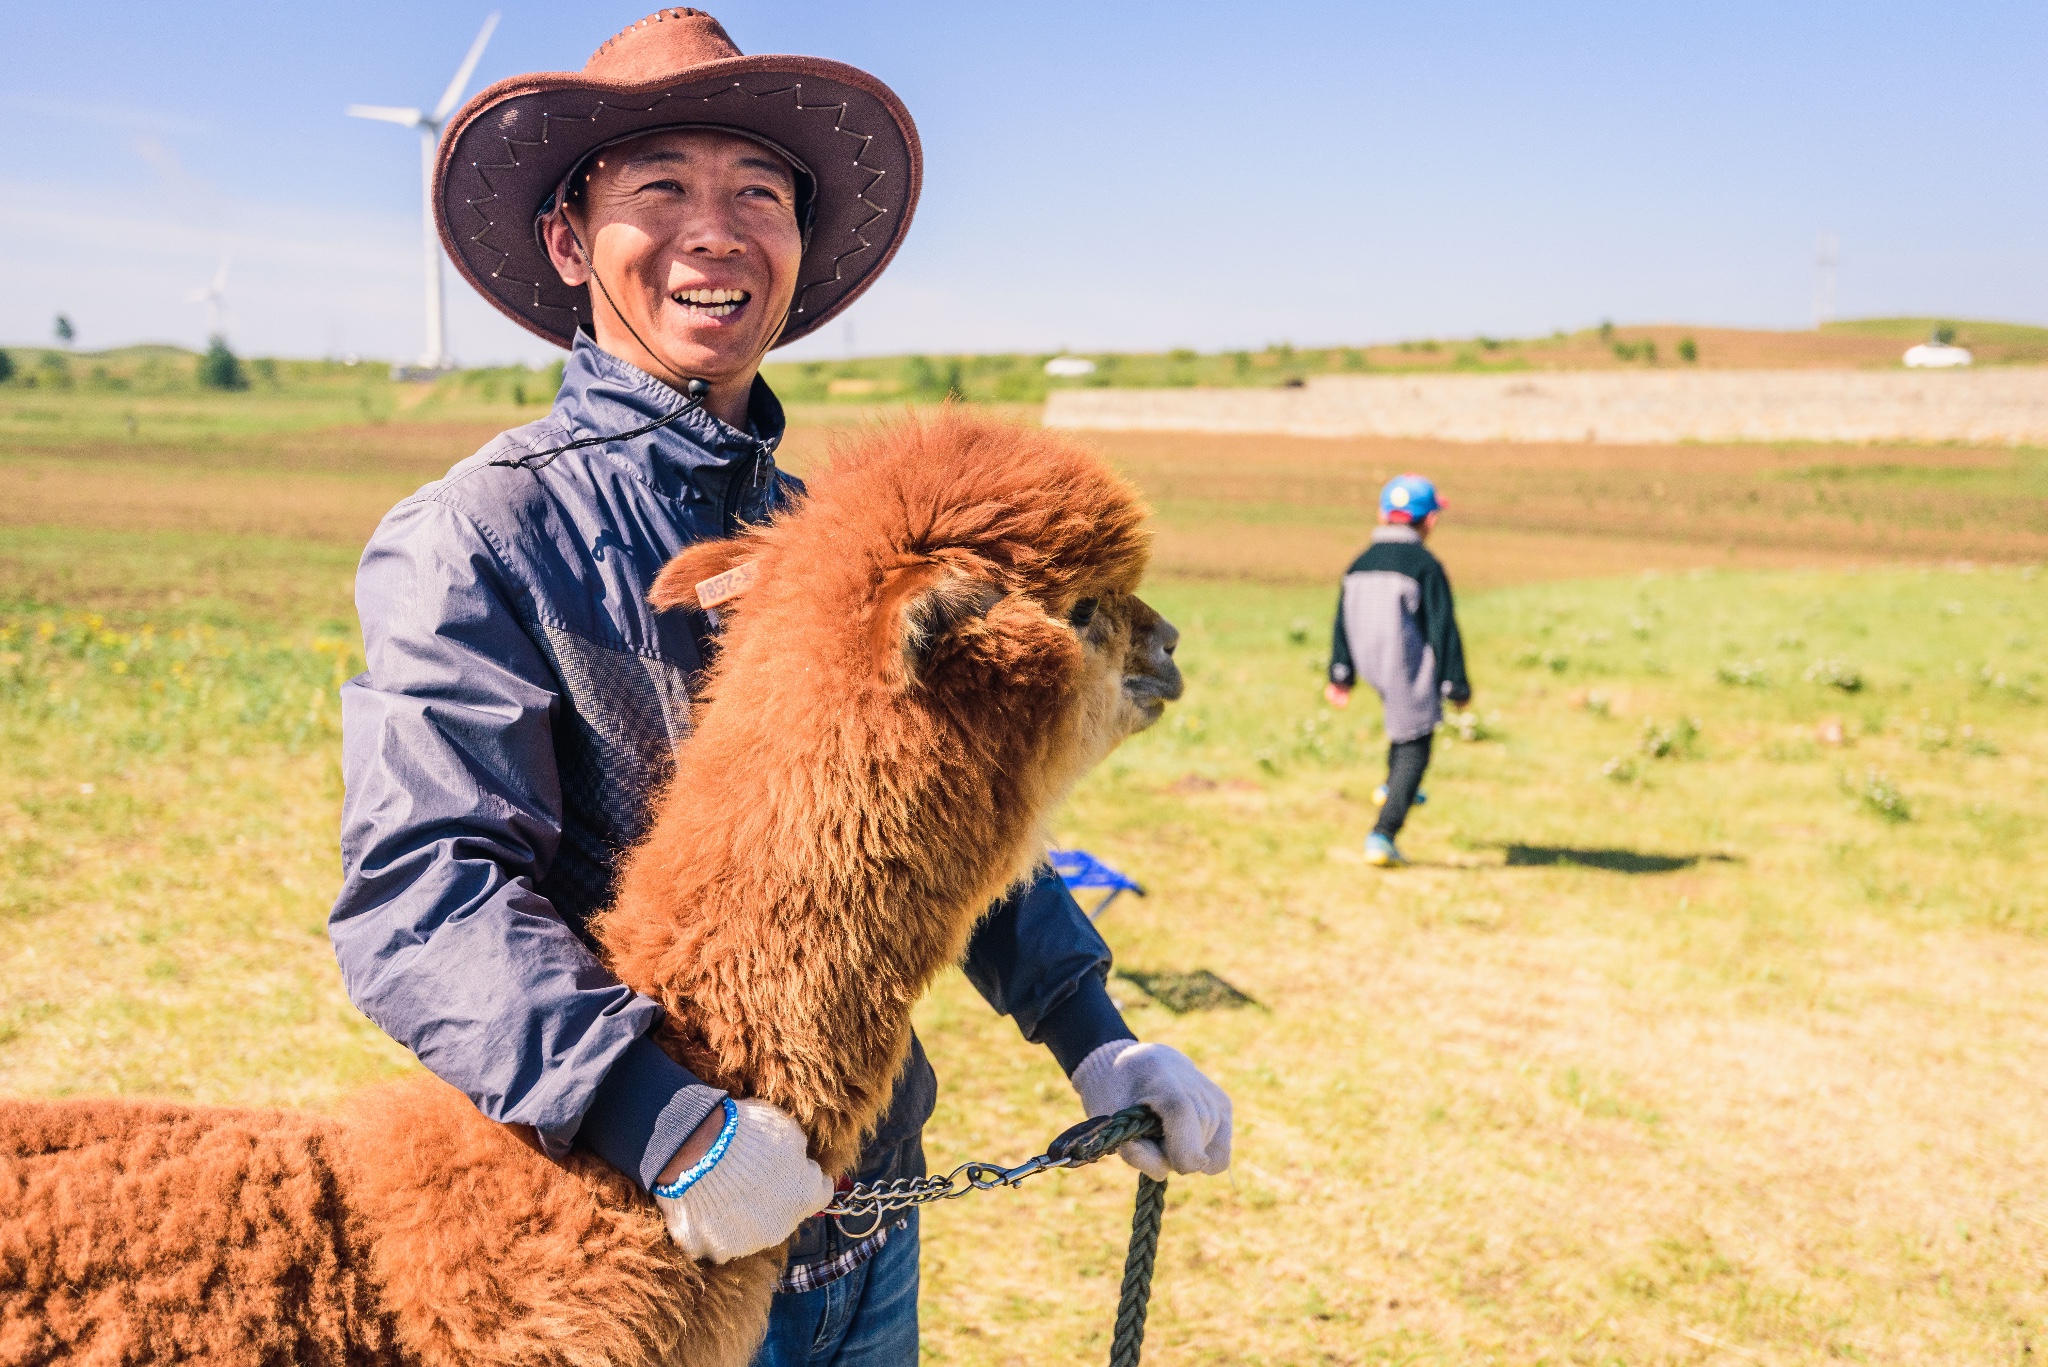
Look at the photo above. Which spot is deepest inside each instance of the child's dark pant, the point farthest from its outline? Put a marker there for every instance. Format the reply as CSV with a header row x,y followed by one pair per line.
x,y
1406,759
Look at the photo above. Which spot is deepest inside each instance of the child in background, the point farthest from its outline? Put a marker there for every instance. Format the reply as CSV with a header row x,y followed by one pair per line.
x,y
1398,630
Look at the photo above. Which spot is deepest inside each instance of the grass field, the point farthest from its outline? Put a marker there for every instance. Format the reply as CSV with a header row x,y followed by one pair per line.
x,y
1706,1028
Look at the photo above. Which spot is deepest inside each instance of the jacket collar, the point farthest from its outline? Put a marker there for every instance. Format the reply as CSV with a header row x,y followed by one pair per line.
x,y
602,394
1395,532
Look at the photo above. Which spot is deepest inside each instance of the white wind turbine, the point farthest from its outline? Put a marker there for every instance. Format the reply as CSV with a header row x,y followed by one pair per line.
x,y
436,357
213,295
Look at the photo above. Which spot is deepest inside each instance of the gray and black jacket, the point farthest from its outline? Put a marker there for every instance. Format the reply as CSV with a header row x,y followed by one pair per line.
x,y
520,703
1397,631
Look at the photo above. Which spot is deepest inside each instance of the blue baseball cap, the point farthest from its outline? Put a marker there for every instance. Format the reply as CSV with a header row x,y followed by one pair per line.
x,y
1409,498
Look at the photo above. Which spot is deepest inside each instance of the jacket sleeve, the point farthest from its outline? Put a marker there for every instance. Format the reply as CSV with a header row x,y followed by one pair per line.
x,y
1342,672
1036,958
452,815
1440,628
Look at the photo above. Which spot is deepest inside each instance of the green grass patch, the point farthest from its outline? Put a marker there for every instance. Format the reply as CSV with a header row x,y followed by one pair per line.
x,y
167,819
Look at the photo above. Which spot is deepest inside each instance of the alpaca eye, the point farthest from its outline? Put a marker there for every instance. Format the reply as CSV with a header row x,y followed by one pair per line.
x,y
1082,614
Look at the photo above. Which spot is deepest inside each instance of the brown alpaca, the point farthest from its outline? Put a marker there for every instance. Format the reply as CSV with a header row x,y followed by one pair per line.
x,y
934,646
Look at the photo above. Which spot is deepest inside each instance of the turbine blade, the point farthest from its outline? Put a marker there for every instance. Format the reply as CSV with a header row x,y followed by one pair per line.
x,y
411,118
462,73
220,279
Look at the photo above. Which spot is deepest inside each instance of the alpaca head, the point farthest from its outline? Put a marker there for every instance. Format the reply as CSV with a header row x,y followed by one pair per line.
x,y
948,623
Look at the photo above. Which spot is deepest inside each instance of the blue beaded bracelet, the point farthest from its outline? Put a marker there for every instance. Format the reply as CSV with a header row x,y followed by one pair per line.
x,y
688,1177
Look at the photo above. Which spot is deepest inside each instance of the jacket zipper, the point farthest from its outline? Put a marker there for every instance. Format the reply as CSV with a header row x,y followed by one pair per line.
x,y
758,476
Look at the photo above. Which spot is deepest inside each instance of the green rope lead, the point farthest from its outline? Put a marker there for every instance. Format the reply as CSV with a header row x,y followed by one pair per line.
x,y
1085,1143
1137,1290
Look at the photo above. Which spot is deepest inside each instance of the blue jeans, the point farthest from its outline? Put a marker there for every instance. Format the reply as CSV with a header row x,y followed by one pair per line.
x,y
868,1318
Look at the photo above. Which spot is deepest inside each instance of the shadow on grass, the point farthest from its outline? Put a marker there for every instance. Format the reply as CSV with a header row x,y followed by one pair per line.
x,y
1611,861
1180,993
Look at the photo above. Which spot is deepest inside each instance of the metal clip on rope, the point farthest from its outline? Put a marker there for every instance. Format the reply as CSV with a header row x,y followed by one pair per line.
x,y
1085,1143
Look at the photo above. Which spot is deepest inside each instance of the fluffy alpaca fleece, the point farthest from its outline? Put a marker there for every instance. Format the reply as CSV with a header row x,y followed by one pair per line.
x,y
934,646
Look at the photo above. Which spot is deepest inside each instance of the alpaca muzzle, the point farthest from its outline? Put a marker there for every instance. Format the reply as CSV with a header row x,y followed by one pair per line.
x,y
1153,679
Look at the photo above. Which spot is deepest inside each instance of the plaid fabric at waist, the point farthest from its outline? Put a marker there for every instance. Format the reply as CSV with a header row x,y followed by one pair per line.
x,y
810,1276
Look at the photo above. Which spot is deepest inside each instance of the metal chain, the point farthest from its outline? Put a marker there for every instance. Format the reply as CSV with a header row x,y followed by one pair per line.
x,y
1083,1144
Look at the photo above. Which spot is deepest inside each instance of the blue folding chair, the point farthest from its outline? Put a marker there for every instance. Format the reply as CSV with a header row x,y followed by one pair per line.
x,y
1079,869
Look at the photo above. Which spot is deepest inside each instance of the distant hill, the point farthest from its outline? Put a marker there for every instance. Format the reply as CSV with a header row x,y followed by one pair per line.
x,y
144,369
1969,333
1019,377
156,369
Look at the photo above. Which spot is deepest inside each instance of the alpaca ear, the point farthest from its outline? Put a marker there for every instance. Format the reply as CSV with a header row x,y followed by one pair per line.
x,y
704,576
921,613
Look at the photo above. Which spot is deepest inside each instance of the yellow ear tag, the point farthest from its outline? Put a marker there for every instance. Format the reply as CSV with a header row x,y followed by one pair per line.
x,y
723,588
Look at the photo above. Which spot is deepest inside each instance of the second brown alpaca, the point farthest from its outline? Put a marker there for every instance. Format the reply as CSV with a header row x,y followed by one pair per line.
x,y
902,696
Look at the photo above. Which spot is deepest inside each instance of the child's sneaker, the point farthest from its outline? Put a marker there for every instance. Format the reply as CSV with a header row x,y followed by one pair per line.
x,y
1380,852
1379,797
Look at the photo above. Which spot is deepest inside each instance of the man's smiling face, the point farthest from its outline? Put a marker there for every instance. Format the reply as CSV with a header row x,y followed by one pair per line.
x,y
694,237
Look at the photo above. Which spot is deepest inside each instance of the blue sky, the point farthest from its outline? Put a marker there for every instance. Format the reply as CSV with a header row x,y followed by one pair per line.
x,y
1132,175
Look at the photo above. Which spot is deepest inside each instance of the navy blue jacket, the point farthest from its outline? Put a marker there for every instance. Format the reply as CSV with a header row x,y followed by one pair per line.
x,y
520,703
1397,629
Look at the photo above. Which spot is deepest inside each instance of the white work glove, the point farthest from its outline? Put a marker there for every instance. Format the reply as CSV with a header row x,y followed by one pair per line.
x,y
1194,1110
750,1191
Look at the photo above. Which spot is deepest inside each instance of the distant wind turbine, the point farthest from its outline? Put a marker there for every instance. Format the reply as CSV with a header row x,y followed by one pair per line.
x,y
213,295
436,357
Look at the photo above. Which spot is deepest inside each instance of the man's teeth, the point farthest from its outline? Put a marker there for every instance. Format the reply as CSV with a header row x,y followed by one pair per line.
x,y
717,303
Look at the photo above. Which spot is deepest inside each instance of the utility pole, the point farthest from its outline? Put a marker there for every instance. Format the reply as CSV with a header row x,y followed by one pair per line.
x,y
436,357
1824,260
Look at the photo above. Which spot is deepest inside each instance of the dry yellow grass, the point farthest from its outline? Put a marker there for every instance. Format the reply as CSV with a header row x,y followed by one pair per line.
x,y
1768,1097
1469,1134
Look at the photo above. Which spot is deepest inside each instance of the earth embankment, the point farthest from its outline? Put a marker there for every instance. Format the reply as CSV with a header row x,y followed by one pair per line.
x,y
2006,406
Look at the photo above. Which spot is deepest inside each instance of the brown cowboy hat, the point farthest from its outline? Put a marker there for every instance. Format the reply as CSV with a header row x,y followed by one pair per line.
x,y
503,157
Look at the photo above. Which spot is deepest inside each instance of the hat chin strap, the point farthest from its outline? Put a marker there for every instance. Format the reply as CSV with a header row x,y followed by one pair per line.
x,y
695,388
694,391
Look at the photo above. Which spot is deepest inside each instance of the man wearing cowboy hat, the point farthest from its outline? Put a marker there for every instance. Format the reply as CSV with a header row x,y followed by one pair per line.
x,y
669,214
